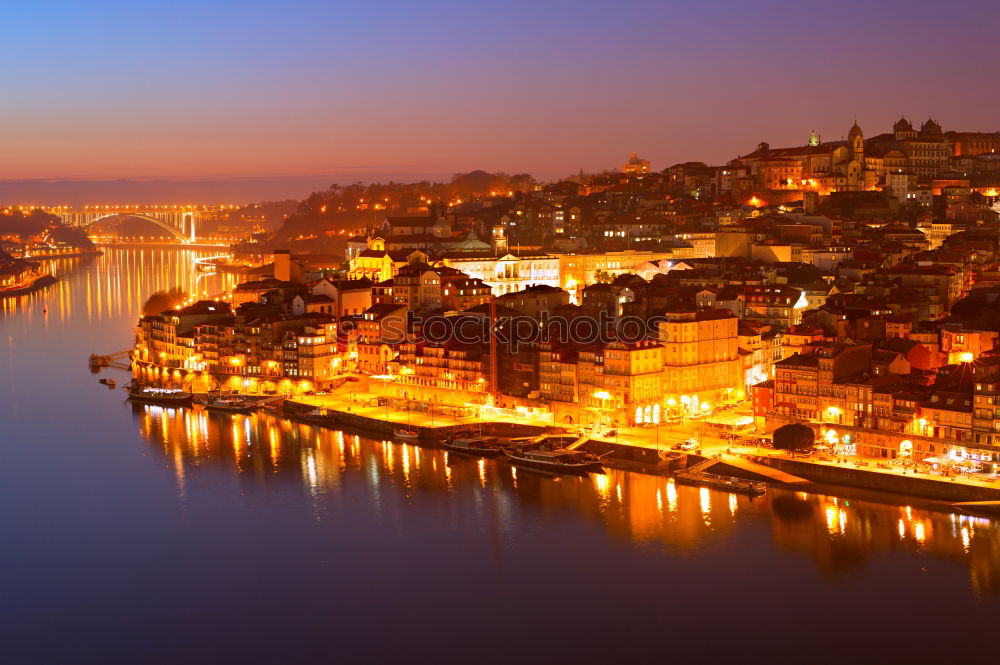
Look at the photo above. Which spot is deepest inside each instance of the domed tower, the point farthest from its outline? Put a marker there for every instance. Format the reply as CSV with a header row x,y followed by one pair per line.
x,y
931,128
903,129
856,143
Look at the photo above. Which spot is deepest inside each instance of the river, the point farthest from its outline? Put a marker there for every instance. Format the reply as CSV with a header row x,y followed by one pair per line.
x,y
136,534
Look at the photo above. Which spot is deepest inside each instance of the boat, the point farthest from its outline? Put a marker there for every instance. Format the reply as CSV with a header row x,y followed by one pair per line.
x,y
405,434
110,383
476,447
315,417
231,404
162,396
557,459
719,482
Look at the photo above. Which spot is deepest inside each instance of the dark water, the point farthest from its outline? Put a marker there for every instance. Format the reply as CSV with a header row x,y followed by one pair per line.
x,y
143,535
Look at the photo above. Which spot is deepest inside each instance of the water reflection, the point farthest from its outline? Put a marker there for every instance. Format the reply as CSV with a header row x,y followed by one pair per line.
x,y
838,534
114,285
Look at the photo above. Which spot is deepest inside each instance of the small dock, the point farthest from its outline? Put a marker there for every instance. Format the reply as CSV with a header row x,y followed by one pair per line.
x,y
117,360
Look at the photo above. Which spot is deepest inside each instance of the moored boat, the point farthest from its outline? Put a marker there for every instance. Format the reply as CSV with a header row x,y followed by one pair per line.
x,y
110,383
162,396
405,434
559,460
231,404
314,417
476,447
720,482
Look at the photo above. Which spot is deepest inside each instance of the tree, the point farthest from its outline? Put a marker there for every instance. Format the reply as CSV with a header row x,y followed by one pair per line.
x,y
795,436
603,277
522,182
161,301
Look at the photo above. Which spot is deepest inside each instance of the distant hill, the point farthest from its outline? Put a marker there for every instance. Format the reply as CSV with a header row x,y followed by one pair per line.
x,y
477,182
50,192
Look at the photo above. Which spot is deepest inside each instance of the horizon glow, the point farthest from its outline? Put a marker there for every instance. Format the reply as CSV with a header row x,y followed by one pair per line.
x,y
109,89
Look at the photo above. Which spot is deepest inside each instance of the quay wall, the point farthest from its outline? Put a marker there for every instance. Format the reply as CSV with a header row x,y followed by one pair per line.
x,y
942,490
648,459
347,419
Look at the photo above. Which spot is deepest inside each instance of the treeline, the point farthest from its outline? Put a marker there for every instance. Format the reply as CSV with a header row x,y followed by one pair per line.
x,y
161,301
38,223
27,224
319,219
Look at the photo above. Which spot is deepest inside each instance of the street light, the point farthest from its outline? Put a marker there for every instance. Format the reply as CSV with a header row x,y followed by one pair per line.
x,y
602,395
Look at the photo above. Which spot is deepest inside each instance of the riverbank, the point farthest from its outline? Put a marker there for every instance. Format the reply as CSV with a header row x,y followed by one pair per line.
x,y
36,284
952,489
366,405
160,245
63,255
645,451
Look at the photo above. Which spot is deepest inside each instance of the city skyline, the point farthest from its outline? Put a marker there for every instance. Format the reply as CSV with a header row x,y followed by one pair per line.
x,y
515,332
205,91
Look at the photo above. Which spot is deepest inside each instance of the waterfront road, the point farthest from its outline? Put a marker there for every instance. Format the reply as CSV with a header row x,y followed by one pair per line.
x,y
362,398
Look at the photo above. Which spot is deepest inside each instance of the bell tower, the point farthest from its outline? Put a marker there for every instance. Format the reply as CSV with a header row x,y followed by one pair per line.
x,y
499,241
856,142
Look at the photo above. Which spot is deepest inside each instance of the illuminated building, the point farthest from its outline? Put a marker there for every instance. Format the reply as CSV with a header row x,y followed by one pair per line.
x,y
534,300
701,362
509,273
964,346
576,271
621,384
380,330
986,412
777,305
451,369
818,386
636,165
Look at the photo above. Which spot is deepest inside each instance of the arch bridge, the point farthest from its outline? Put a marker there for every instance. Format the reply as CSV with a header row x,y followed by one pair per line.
x,y
183,222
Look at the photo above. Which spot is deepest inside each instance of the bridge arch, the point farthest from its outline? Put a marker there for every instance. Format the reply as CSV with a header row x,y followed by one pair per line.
x,y
178,233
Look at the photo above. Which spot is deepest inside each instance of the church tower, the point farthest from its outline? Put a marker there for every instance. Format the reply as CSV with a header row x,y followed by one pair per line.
x,y
499,238
856,142
856,159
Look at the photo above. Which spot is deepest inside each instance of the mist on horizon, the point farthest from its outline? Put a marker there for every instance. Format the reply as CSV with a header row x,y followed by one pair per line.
x,y
197,191
394,88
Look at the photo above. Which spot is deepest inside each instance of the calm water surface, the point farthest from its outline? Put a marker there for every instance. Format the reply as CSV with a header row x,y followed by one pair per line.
x,y
135,534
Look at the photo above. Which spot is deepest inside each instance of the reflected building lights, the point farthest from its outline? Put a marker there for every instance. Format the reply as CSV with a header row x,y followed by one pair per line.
x,y
602,483
671,496
185,436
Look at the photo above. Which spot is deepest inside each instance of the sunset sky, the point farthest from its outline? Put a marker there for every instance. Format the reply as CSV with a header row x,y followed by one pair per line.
x,y
376,89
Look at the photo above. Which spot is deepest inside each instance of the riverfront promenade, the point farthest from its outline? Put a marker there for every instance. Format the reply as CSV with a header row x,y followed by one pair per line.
x,y
367,399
